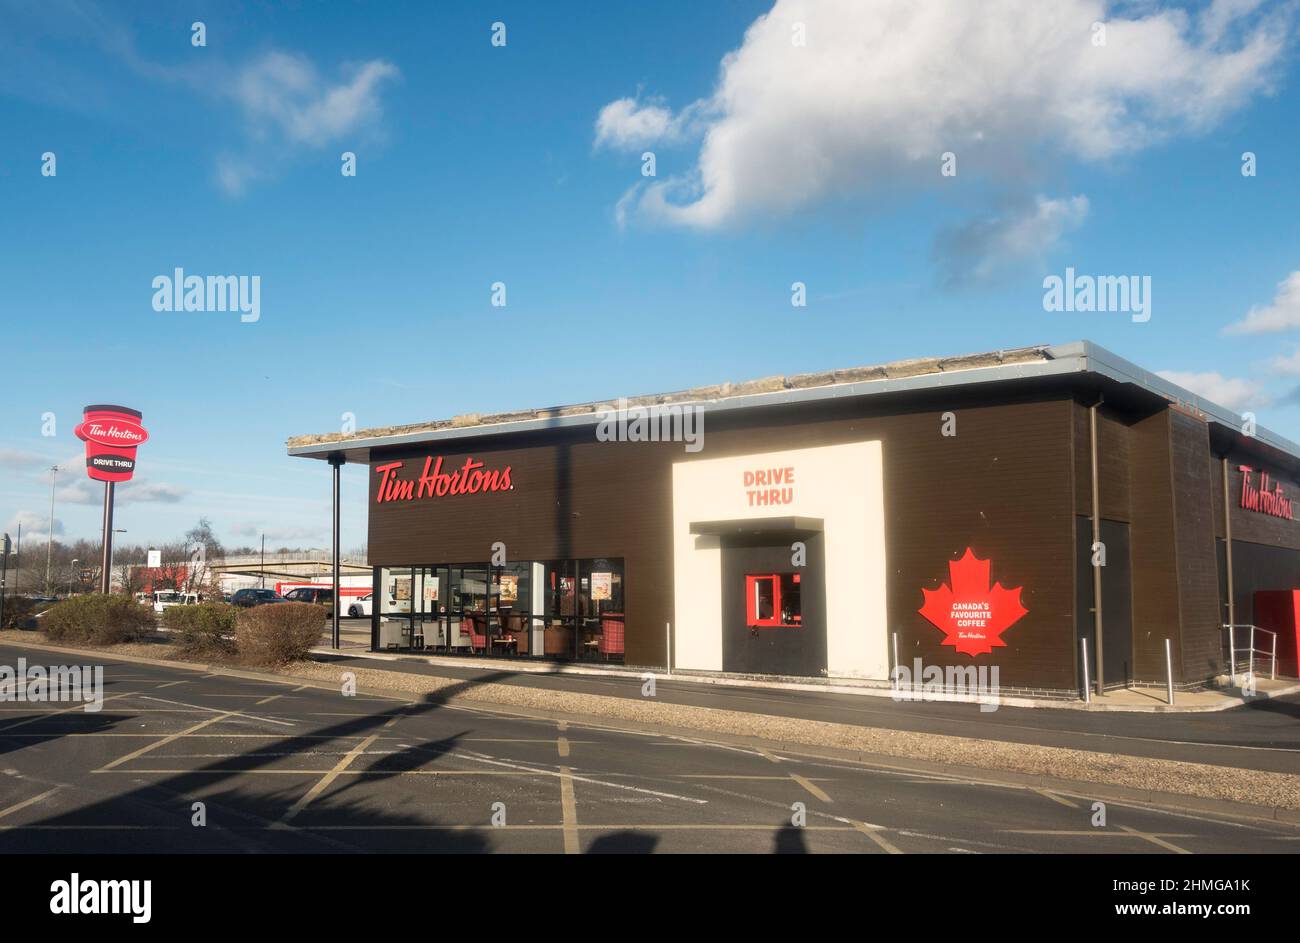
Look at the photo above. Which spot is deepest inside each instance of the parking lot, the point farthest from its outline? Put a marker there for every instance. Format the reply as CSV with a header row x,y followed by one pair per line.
x,y
283,767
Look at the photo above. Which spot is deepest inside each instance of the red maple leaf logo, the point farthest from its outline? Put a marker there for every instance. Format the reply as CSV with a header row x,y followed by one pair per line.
x,y
972,615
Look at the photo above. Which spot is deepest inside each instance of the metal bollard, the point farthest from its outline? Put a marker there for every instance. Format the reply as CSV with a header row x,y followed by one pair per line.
x,y
1169,670
1087,683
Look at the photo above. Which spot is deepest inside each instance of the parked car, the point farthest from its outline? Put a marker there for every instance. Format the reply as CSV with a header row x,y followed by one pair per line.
x,y
361,605
255,597
313,594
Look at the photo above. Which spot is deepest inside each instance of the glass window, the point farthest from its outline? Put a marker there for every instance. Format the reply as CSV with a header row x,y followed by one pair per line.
x,y
773,599
395,615
556,609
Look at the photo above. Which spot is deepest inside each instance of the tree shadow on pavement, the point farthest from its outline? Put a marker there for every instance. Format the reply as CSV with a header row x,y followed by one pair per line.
x,y
240,818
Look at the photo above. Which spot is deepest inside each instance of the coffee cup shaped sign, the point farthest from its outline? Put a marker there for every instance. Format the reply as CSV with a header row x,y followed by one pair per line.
x,y
111,434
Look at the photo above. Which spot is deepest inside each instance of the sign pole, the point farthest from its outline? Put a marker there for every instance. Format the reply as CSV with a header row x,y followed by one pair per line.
x,y
105,576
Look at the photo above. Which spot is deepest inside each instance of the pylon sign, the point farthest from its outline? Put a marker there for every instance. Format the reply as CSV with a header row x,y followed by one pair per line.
x,y
111,434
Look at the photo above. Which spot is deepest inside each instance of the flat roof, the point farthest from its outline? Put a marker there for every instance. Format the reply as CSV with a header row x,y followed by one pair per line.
x,y
1020,364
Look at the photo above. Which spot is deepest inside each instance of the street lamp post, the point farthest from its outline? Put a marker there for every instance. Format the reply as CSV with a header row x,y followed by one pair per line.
x,y
18,559
110,562
72,569
49,539
4,575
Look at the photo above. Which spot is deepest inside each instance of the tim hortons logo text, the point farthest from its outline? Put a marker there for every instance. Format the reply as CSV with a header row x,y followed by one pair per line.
x,y
470,478
113,434
1259,496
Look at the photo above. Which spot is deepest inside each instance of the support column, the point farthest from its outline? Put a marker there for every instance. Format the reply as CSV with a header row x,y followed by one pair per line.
x,y
336,461
1227,543
1096,539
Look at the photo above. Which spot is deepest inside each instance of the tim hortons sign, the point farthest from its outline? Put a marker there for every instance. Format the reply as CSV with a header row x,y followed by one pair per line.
x,y
470,478
1262,494
112,434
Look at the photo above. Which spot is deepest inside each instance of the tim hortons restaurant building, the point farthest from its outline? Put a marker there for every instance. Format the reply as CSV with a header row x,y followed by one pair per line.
x,y
1013,508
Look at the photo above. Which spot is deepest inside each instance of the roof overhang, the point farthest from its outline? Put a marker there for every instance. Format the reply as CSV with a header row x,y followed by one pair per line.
x,y
1076,360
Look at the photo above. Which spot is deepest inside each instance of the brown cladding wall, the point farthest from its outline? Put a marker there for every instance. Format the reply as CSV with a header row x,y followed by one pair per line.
x,y
1114,442
1198,577
1156,613
1155,475
1003,486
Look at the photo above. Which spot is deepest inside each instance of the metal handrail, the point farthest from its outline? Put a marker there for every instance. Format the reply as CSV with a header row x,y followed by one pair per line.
x,y
1230,628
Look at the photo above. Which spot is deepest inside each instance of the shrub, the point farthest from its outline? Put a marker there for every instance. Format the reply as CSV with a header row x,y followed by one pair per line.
x,y
19,610
279,633
97,620
205,629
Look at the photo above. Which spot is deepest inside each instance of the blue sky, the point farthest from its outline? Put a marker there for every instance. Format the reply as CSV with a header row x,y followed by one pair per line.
x,y
775,163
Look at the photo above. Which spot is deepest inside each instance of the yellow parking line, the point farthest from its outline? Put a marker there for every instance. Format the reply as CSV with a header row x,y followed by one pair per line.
x,y
563,745
570,811
1055,798
149,748
223,770
26,802
1155,839
328,778
875,836
1099,833
741,776
808,784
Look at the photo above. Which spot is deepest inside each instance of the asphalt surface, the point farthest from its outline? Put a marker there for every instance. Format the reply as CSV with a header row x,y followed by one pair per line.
x,y
280,767
1264,735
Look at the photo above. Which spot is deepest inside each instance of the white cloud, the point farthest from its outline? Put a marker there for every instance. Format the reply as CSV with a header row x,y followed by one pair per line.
x,y
36,526
982,249
288,92
629,124
882,89
1282,314
1287,365
1234,393
287,103
17,458
136,491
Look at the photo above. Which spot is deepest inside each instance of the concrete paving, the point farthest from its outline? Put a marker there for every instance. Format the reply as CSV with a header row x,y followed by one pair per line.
x,y
284,767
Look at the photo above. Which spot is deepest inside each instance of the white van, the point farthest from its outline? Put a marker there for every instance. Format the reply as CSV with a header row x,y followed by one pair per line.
x,y
166,598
